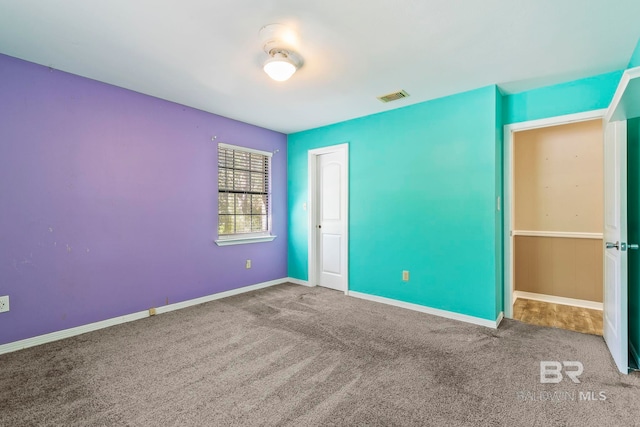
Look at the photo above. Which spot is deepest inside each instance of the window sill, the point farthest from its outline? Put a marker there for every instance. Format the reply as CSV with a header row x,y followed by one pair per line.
x,y
244,240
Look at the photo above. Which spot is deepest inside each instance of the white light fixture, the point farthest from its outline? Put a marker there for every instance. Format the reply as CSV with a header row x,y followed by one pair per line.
x,y
279,43
280,67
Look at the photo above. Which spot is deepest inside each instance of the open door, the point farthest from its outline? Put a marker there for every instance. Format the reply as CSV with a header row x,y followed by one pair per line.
x,y
615,312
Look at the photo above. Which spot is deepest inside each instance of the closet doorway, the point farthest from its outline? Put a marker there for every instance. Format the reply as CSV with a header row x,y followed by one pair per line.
x,y
557,206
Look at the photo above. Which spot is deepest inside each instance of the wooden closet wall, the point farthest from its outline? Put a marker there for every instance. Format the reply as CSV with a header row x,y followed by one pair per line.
x,y
558,210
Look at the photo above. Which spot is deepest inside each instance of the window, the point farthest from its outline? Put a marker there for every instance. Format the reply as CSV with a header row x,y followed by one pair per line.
x,y
243,195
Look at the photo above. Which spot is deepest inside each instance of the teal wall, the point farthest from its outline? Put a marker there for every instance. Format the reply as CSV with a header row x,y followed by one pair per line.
x,y
424,180
635,58
592,93
423,186
633,219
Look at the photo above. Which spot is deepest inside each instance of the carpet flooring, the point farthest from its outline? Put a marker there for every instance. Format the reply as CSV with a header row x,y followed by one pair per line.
x,y
297,356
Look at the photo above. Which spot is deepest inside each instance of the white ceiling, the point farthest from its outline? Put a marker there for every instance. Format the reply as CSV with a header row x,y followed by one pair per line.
x,y
206,53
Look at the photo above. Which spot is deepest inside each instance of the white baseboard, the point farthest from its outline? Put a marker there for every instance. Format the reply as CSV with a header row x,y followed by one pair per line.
x,y
424,309
558,300
219,295
67,333
299,282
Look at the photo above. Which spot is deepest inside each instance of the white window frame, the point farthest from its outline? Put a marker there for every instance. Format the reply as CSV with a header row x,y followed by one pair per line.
x,y
244,238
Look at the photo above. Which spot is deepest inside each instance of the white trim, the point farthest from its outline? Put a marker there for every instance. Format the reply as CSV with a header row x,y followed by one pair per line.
x,y
493,324
499,319
67,333
558,300
248,150
563,234
509,187
311,210
244,240
507,220
627,76
311,219
299,282
555,121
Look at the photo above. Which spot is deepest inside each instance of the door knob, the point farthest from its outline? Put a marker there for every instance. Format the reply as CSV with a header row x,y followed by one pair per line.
x,y
622,246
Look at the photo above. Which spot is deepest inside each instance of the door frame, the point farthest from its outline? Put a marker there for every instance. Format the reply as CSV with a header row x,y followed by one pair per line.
x,y
509,130
312,261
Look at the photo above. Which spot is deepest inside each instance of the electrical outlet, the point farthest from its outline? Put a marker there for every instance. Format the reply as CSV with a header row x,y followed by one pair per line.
x,y
405,275
247,264
4,304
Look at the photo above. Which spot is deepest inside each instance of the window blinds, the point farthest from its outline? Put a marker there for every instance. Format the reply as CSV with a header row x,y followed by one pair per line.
x,y
243,191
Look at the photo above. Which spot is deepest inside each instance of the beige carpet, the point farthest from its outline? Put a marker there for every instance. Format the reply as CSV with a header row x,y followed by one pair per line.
x,y
291,355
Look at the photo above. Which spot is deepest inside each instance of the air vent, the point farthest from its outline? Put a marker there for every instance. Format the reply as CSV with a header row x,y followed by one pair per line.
x,y
393,96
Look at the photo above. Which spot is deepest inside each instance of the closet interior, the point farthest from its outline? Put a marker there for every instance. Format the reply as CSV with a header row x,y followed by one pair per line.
x,y
557,208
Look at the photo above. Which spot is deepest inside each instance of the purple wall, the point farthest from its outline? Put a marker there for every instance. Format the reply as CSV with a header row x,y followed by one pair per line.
x,y
108,202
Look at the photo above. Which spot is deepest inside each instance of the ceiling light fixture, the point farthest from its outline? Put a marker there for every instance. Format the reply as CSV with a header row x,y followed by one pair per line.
x,y
279,43
280,67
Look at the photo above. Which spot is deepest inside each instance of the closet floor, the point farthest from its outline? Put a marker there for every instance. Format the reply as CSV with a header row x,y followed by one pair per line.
x,y
540,313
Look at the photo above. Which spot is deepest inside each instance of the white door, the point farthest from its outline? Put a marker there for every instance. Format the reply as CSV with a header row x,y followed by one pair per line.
x,y
331,268
615,238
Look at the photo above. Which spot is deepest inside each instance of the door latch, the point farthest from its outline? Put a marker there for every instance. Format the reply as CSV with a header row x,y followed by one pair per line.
x,y
616,245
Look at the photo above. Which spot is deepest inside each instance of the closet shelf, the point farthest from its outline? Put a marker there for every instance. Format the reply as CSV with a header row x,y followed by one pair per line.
x,y
565,234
